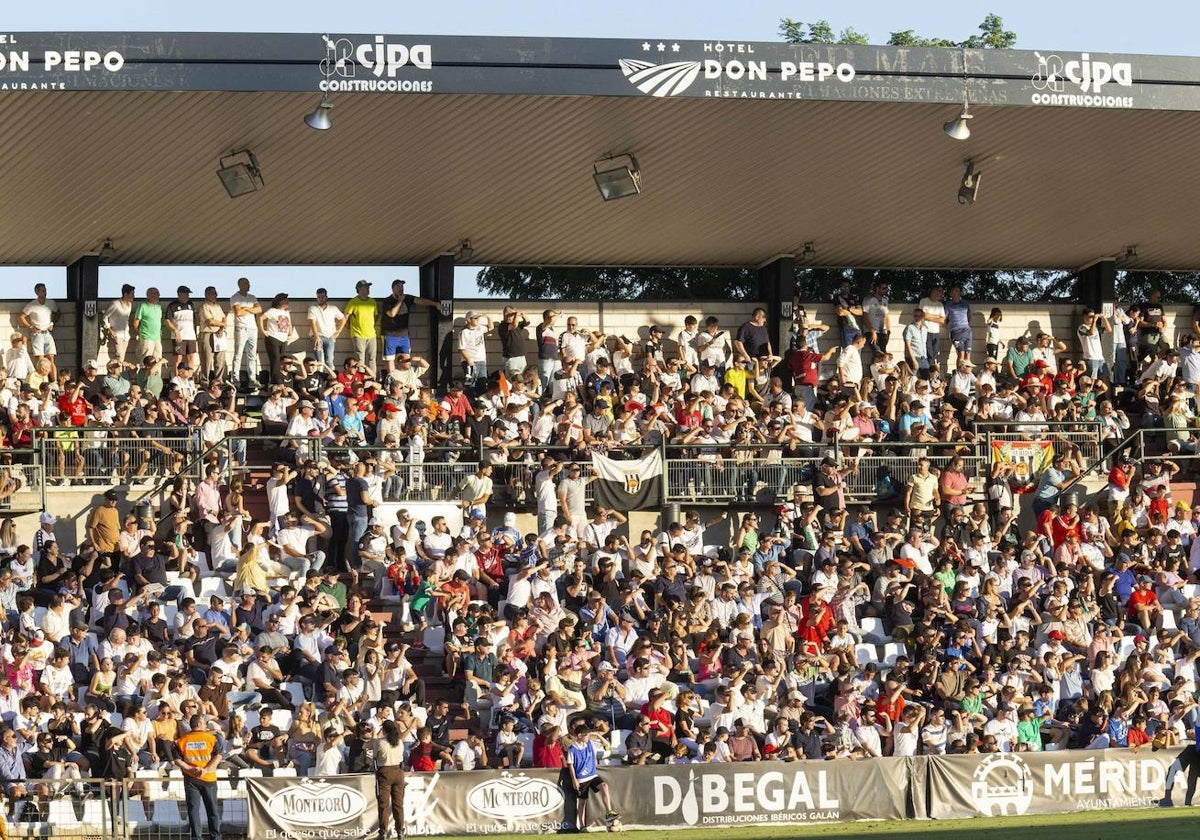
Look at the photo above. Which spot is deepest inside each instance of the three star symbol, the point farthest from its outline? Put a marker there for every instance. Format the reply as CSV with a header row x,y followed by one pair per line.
x,y
646,47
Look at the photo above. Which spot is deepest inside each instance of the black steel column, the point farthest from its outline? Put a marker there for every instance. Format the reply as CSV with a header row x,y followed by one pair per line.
x,y
776,282
1096,285
437,283
83,289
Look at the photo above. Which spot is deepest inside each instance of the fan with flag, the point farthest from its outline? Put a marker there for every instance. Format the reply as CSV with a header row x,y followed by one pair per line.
x,y
628,485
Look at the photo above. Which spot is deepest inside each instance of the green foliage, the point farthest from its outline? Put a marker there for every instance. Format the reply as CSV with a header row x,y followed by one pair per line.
x,y
992,35
1176,286
619,283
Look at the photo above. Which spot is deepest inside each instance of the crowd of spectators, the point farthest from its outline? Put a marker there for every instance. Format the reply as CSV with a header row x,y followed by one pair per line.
x,y
796,628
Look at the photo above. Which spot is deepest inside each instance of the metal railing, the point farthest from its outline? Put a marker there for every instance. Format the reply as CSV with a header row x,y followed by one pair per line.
x,y
1086,434
71,454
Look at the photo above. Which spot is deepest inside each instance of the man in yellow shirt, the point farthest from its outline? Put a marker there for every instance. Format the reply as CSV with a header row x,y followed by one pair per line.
x,y
362,317
104,528
199,753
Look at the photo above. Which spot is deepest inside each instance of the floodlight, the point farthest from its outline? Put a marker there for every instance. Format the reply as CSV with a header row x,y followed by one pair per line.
x,y
968,189
617,176
239,173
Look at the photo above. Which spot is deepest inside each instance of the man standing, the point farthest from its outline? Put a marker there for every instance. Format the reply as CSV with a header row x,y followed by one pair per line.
x,y
958,323
394,312
246,310
104,529
513,341
197,754
325,322
935,316
213,338
473,351
362,313
147,323
876,309
40,316
916,344
849,310
753,337
116,324
181,321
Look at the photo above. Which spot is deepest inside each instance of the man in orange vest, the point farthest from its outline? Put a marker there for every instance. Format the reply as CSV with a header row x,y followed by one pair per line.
x,y
200,751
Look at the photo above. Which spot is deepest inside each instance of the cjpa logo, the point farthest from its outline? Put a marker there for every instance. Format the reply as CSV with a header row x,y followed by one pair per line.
x,y
1089,75
633,483
379,61
1002,785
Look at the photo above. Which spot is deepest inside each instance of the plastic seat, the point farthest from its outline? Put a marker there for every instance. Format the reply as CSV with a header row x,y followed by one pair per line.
x,y
892,650
62,814
865,653
295,690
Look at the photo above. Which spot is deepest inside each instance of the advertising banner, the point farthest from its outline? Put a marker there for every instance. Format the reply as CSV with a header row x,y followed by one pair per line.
x,y
325,807
1011,784
715,795
712,68
343,807
1031,458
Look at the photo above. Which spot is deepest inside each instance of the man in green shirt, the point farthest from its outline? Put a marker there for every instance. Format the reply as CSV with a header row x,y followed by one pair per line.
x,y
362,317
146,322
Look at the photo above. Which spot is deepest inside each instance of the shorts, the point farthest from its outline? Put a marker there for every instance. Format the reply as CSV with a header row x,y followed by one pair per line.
x,y
592,785
42,344
393,344
186,347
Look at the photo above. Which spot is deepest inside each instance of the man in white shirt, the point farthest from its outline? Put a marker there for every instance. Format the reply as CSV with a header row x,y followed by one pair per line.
x,y
326,323
293,541
39,317
850,365
246,310
1003,727
877,311
935,317
473,352
116,324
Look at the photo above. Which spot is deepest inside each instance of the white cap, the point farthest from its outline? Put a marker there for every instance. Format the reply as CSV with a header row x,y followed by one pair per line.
x,y
47,518
510,519
92,363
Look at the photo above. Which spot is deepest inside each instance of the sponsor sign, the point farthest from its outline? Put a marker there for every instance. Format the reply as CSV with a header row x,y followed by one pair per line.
x,y
716,795
324,807
710,68
1044,783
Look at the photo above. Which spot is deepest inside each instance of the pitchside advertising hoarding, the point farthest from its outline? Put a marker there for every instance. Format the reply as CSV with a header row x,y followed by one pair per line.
x,y
720,795
717,68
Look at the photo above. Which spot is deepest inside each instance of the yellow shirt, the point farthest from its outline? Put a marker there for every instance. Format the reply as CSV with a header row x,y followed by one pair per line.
x,y
361,315
737,377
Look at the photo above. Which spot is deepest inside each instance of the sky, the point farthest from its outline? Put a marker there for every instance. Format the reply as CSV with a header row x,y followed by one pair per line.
x,y
1151,27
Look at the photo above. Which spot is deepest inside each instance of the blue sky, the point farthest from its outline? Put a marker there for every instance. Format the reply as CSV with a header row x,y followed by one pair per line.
x,y
1151,27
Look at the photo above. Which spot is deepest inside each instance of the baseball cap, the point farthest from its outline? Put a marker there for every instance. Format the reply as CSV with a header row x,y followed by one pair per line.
x,y
47,518
1056,635
510,519
471,313
606,666
92,363
362,284
111,495
183,290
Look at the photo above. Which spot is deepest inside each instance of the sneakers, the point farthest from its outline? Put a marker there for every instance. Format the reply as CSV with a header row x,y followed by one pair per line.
x,y
1166,802
611,815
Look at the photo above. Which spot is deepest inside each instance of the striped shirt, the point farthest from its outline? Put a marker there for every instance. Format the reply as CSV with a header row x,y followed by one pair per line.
x,y
336,500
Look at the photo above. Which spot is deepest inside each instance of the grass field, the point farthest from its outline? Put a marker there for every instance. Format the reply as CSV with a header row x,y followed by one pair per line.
x,y
1161,824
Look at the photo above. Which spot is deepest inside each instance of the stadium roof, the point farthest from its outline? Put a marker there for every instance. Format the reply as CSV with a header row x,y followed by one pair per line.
x,y
493,140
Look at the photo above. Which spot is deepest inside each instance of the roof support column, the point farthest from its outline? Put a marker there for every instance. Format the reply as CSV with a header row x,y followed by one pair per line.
x,y
437,283
776,283
1096,286
83,289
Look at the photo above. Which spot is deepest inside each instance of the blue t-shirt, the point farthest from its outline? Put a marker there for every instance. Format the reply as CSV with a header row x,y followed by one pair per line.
x,y
1118,732
583,759
958,315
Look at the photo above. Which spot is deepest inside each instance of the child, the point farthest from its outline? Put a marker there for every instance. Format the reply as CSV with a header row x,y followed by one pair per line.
x,y
993,342
510,750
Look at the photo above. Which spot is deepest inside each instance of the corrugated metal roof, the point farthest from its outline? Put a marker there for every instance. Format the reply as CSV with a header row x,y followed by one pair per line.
x,y
402,178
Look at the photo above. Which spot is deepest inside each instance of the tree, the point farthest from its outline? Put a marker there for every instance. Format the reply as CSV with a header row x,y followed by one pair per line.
x,y
992,35
619,283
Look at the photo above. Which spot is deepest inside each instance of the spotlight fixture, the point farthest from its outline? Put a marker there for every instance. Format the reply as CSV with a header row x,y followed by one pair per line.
x,y
319,119
239,173
958,128
107,249
464,253
968,189
617,176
